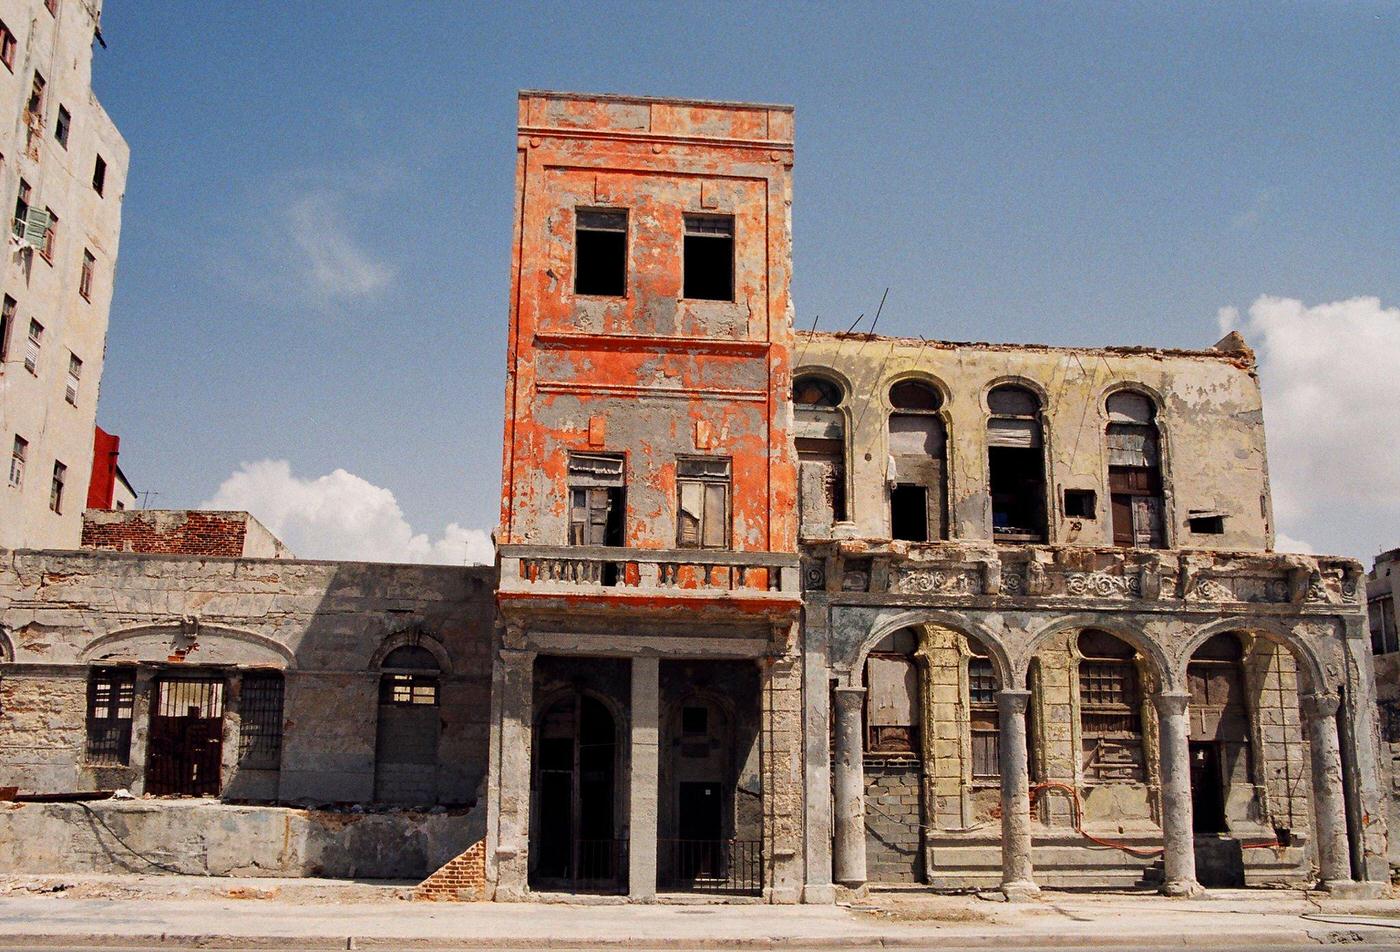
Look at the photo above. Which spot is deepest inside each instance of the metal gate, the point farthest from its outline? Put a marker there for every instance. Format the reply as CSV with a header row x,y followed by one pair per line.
x,y
187,735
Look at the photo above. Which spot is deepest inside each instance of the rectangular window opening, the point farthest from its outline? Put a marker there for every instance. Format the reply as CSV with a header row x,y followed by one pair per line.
x,y
695,721
8,46
600,252
702,504
1081,504
111,702
1383,629
1206,525
99,175
709,258
60,475
75,374
17,458
61,126
260,721
85,277
909,513
32,347
7,324
1017,477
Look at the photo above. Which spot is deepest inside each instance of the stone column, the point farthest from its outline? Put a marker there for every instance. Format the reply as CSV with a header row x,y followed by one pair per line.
x,y
514,737
645,778
1017,881
850,787
1178,834
1333,848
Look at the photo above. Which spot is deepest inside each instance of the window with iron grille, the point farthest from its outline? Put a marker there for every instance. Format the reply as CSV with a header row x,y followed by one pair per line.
x,y
260,721
1111,721
111,701
408,689
984,719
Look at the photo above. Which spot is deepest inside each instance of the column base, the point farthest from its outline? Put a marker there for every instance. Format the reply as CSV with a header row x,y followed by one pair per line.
x,y
1351,889
1021,890
1182,889
818,895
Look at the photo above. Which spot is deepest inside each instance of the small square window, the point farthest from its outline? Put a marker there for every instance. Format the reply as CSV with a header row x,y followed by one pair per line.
x,y
709,257
1206,525
62,126
1081,504
600,252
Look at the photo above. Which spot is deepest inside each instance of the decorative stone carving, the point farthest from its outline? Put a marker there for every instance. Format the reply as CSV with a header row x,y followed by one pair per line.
x,y
1103,585
1013,582
813,575
932,582
1317,591
854,581
1350,589
1207,589
1037,579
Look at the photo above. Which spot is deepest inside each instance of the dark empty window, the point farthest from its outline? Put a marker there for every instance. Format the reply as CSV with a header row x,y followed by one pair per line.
x,y
695,720
596,499
1134,474
111,699
816,392
99,175
62,126
1207,525
1016,465
1383,635
260,721
600,247
1081,504
709,257
909,513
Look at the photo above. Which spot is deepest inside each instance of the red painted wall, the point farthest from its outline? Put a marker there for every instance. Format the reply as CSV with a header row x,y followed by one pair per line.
x,y
102,486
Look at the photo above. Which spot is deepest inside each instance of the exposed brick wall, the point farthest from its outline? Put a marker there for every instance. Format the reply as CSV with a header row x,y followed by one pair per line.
x,y
461,879
163,532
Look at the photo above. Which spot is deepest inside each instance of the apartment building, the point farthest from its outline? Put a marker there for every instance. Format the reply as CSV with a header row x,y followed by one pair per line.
x,y
63,164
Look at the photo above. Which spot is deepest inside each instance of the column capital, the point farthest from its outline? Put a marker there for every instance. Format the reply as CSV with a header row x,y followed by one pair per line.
x,y
849,697
1171,703
1319,704
1014,700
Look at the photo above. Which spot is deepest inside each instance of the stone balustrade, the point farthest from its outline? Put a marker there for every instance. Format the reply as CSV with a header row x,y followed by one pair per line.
x,y
1080,573
549,570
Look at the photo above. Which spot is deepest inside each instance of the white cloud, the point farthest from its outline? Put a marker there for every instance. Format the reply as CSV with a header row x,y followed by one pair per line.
x,y
1331,379
1286,543
341,516
336,266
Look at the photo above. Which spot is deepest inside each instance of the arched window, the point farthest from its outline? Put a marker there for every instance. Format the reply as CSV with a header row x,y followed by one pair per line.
x,y
1110,709
892,695
1134,471
820,431
1220,755
406,741
1016,465
918,470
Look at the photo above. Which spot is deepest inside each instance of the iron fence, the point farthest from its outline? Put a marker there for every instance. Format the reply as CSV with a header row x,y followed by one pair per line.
x,y
729,867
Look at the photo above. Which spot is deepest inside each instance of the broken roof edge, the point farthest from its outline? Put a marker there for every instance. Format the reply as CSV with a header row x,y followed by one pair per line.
x,y
667,100
1231,348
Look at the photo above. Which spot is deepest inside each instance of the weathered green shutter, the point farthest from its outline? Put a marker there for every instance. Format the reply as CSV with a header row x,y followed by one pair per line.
x,y
36,226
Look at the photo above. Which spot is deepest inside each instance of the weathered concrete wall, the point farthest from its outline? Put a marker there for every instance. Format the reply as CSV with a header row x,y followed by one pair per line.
x,y
893,840
1209,417
204,838
45,288
325,626
650,374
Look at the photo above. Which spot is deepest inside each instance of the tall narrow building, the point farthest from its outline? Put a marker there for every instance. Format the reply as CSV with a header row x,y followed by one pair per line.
x,y
63,164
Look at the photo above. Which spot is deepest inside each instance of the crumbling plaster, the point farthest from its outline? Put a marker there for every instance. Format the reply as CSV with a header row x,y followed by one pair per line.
x,y
1209,416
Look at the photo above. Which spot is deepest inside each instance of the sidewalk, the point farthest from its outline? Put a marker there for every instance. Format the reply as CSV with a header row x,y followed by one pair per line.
x,y
175,911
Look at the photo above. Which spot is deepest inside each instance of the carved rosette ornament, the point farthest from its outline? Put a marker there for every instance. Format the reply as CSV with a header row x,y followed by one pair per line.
x,y
929,582
1103,585
1211,590
1012,581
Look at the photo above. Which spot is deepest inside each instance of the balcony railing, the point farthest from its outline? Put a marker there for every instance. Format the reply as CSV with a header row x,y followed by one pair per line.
x,y
572,569
1080,573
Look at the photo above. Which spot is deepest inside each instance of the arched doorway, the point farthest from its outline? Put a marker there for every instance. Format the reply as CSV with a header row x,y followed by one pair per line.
x,y
573,842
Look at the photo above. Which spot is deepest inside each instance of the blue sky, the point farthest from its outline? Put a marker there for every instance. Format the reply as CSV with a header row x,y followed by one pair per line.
x,y
315,250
